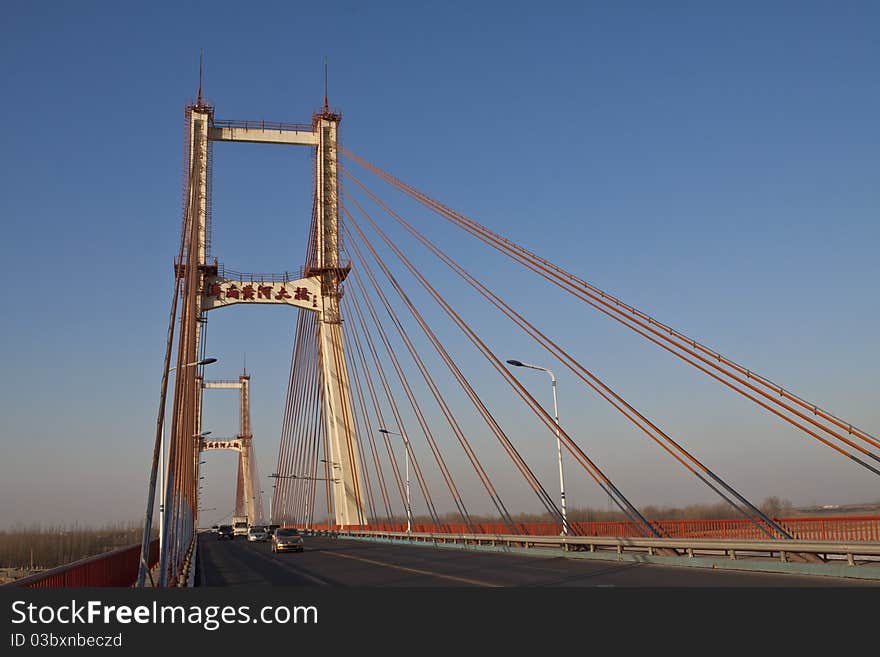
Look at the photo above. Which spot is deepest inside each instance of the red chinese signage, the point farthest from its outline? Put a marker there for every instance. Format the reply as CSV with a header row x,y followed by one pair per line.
x,y
222,444
250,292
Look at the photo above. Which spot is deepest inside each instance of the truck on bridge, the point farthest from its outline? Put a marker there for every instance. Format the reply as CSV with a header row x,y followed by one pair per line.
x,y
239,525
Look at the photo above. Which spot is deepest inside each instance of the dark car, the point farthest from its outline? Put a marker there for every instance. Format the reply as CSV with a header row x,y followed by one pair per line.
x,y
225,531
271,529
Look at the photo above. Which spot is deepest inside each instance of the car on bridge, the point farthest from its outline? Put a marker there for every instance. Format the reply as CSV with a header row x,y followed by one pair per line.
x,y
225,532
257,534
287,539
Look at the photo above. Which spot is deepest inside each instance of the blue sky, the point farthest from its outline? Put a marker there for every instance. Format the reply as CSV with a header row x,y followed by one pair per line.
x,y
714,166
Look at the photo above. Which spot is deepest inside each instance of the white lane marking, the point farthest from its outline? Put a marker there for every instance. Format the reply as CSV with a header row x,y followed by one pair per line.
x,y
417,571
291,569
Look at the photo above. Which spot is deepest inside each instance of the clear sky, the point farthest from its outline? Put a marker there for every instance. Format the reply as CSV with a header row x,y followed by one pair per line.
x,y
714,164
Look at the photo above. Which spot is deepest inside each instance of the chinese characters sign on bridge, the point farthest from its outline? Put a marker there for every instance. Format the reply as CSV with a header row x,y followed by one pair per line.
x,y
219,292
232,443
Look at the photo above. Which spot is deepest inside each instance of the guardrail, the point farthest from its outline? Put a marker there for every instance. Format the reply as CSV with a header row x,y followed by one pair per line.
x,y
261,125
854,553
260,277
114,568
841,528
186,578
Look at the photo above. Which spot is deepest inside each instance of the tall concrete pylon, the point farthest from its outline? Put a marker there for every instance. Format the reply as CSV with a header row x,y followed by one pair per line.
x,y
338,409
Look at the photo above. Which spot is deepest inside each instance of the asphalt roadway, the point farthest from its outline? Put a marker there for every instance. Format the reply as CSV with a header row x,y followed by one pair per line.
x,y
352,563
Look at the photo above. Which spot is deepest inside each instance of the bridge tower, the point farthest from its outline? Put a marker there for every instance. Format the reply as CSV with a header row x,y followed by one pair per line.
x,y
245,493
247,500
338,411
319,290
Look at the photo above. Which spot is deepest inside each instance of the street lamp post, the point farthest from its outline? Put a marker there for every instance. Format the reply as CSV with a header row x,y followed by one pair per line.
x,y
158,451
406,462
275,475
162,466
271,502
517,363
175,548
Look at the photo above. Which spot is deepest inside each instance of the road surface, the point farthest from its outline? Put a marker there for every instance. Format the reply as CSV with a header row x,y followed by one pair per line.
x,y
352,563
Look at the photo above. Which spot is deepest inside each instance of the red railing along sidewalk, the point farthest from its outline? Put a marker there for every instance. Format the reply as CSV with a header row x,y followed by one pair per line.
x,y
115,568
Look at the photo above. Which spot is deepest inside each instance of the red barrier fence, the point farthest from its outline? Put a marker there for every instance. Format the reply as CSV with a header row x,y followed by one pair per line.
x,y
114,568
838,528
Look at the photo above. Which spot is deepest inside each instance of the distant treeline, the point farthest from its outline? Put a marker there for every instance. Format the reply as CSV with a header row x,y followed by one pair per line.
x,y
772,506
47,546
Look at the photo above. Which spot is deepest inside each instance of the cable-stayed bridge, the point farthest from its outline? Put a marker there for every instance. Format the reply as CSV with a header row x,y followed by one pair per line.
x,y
381,414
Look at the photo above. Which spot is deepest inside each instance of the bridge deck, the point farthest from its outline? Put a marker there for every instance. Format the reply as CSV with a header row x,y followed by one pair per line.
x,y
334,562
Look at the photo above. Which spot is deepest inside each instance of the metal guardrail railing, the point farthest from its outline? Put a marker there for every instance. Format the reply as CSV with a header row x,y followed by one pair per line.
x,y
840,528
261,125
114,568
261,277
186,577
782,550
194,565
